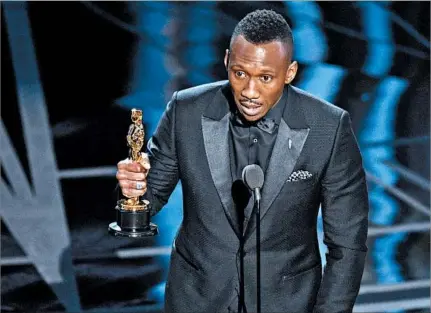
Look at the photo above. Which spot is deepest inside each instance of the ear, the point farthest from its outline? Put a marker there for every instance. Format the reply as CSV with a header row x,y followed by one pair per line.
x,y
226,59
291,72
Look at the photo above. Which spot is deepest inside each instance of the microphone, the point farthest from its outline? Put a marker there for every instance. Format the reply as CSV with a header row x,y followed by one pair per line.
x,y
253,178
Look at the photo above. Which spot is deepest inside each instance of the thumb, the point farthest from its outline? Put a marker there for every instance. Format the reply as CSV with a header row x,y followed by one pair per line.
x,y
145,161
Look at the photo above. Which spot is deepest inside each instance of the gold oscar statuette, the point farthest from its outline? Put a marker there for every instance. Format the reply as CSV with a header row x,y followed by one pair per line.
x,y
133,214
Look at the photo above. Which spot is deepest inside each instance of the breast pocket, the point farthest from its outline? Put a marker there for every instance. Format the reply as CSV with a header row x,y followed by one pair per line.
x,y
308,183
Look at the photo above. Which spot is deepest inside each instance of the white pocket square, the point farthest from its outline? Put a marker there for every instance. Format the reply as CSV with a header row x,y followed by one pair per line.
x,y
299,175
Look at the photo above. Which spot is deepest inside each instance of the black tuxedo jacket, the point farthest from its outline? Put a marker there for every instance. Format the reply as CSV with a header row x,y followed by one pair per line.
x,y
191,144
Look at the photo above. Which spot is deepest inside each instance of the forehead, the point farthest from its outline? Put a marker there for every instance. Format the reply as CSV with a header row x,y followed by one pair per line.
x,y
273,54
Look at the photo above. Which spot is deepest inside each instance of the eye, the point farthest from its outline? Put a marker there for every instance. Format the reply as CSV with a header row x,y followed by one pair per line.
x,y
266,78
240,74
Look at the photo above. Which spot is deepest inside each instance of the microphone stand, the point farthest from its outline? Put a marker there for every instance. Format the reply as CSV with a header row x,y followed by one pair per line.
x,y
253,178
258,289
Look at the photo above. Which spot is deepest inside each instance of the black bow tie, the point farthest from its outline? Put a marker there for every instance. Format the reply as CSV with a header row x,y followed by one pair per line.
x,y
266,124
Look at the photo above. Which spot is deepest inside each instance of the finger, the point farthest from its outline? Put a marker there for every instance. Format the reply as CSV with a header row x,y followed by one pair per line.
x,y
131,184
132,193
130,166
126,175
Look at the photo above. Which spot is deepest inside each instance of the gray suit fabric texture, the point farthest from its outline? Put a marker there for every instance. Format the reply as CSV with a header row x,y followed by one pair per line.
x,y
316,145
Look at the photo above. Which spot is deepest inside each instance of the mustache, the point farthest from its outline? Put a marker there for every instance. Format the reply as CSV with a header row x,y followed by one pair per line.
x,y
250,101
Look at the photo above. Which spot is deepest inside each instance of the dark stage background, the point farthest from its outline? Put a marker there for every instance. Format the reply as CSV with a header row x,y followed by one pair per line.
x,y
71,72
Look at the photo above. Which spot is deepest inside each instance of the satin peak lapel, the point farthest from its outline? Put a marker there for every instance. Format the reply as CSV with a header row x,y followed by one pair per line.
x,y
216,140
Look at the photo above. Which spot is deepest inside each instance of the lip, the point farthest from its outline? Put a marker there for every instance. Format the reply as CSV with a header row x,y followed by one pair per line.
x,y
250,109
250,105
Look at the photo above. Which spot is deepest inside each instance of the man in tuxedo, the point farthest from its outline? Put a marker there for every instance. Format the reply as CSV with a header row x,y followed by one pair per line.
x,y
310,158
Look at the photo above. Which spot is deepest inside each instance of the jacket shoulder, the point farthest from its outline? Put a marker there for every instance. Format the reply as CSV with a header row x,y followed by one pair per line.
x,y
194,93
317,109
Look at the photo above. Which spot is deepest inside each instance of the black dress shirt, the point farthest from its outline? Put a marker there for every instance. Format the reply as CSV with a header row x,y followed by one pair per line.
x,y
251,143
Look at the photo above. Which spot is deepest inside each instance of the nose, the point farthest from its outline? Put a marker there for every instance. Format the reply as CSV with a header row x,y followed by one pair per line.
x,y
250,90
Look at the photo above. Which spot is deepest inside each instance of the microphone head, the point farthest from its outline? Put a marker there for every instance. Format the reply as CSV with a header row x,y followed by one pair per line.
x,y
252,176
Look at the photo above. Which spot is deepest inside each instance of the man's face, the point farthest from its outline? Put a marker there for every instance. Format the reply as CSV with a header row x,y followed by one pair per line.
x,y
257,75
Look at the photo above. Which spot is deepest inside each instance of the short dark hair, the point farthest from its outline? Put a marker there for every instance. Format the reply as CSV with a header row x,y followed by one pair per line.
x,y
264,26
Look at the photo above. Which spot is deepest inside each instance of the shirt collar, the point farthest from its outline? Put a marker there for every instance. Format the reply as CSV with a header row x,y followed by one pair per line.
x,y
276,112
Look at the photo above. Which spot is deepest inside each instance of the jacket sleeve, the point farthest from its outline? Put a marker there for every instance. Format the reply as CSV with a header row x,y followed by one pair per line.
x,y
163,175
345,223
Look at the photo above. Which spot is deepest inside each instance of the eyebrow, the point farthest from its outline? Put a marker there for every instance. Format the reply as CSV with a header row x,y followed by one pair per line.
x,y
264,70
